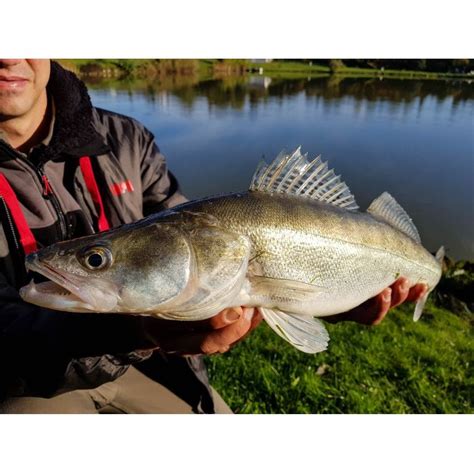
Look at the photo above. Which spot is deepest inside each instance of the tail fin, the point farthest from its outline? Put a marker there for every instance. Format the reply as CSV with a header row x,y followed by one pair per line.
x,y
422,301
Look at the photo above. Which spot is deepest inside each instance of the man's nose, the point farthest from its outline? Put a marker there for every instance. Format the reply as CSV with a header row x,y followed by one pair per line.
x,y
9,62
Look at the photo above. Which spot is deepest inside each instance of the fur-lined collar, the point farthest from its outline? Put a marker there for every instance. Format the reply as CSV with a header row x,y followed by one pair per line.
x,y
74,133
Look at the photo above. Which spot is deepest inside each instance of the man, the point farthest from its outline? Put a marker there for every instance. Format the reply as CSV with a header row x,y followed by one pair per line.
x,y
68,169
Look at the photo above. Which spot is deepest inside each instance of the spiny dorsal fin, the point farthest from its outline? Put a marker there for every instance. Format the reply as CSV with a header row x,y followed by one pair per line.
x,y
292,173
386,208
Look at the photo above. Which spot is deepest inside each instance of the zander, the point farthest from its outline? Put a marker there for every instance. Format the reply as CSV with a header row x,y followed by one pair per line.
x,y
294,245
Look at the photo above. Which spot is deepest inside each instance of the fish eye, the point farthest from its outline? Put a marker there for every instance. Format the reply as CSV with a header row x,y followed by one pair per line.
x,y
96,258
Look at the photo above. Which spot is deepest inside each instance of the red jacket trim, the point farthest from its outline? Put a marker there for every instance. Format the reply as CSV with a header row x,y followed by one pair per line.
x,y
91,183
27,239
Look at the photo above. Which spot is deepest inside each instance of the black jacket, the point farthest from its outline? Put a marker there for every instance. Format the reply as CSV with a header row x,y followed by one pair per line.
x,y
45,352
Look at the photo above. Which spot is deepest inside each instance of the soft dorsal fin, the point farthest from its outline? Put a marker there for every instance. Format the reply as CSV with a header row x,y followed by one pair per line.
x,y
292,173
386,208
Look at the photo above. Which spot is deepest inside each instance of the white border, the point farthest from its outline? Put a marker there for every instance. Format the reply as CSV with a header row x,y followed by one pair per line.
x,y
243,29
236,444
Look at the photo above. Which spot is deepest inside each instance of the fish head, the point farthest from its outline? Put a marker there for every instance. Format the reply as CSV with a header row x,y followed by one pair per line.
x,y
130,269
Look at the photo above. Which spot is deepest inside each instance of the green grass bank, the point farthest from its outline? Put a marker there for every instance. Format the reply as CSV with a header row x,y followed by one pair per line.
x,y
397,367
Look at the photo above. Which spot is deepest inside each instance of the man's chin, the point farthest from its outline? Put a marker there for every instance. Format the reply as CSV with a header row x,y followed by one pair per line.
x,y
13,105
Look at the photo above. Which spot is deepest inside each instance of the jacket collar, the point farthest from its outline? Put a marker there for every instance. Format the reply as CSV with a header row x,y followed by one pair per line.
x,y
74,133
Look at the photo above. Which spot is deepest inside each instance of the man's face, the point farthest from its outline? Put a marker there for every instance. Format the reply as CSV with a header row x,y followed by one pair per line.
x,y
22,84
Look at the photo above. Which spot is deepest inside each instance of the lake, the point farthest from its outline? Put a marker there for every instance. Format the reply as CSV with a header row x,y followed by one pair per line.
x,y
411,138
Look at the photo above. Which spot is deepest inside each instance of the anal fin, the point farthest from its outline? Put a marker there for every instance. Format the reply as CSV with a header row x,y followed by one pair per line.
x,y
420,304
307,334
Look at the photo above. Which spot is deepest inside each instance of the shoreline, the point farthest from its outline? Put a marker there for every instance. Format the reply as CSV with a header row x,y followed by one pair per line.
x,y
148,68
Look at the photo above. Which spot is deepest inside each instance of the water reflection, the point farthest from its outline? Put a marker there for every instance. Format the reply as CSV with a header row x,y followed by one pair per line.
x,y
412,138
233,91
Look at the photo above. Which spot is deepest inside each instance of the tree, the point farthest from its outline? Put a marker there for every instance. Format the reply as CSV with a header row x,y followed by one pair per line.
x,y
335,64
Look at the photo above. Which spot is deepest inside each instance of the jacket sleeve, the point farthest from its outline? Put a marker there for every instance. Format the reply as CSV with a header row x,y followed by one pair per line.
x,y
43,351
160,187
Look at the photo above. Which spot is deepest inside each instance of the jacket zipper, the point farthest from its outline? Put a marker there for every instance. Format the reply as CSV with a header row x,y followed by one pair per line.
x,y
10,223
48,193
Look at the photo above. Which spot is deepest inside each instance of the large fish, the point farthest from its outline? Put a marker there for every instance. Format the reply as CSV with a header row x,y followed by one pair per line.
x,y
294,245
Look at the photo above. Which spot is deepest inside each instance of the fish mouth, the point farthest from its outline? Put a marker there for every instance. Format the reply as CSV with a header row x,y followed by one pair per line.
x,y
72,293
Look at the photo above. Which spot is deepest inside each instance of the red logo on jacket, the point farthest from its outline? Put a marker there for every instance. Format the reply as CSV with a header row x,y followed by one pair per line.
x,y
121,188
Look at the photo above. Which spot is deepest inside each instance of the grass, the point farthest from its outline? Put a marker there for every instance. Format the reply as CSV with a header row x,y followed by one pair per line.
x,y
290,69
395,73
397,367
298,69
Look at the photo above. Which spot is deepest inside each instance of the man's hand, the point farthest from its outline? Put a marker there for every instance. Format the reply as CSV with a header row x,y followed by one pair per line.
x,y
211,336
374,310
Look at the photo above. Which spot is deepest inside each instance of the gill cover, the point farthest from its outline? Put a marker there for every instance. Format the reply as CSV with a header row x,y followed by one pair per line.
x,y
217,270
152,266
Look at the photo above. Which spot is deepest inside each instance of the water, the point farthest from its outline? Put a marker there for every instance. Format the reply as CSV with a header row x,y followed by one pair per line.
x,y
413,139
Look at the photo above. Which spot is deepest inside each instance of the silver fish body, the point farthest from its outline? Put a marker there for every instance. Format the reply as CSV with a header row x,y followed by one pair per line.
x,y
294,246
349,256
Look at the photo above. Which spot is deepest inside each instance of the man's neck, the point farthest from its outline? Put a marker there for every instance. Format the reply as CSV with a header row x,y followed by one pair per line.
x,y
29,130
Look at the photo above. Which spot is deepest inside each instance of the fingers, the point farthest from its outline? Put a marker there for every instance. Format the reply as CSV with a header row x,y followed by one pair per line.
x,y
400,290
220,320
225,317
216,340
417,292
378,308
397,294
220,340
373,311
370,313
257,318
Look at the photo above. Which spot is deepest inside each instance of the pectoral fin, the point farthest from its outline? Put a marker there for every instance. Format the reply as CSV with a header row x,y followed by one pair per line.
x,y
287,293
307,334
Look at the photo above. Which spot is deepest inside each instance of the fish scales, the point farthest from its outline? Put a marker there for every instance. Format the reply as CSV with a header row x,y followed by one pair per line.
x,y
350,254
295,246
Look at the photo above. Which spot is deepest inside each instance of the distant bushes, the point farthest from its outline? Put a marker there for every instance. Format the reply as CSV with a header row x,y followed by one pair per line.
x,y
132,67
429,65
226,67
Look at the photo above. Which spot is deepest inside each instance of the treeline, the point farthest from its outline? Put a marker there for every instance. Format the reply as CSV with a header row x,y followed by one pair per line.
x,y
154,68
132,67
429,65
